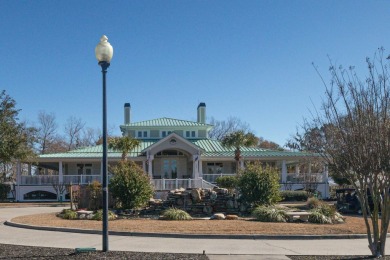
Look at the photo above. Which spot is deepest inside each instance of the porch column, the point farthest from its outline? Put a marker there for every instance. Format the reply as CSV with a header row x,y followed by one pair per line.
x,y
195,166
18,180
284,172
29,169
60,174
310,179
200,169
144,165
150,166
242,164
325,179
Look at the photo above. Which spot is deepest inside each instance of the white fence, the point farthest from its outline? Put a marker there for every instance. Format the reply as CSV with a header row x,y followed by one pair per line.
x,y
172,184
212,177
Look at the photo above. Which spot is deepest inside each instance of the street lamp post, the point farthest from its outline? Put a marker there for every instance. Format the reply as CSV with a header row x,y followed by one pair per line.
x,y
104,52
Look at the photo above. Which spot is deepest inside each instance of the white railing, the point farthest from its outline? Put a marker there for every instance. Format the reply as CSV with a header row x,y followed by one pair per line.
x,y
172,184
212,177
81,179
50,179
39,180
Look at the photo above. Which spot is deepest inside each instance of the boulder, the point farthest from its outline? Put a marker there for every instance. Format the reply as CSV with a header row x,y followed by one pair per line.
x,y
231,217
218,216
196,195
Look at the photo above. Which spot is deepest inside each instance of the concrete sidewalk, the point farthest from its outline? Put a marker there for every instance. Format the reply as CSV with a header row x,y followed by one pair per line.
x,y
228,248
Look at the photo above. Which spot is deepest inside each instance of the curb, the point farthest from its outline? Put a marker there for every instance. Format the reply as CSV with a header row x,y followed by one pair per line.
x,y
193,236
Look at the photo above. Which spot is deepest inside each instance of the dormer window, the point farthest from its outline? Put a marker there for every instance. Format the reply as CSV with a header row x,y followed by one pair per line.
x,y
165,133
142,134
190,134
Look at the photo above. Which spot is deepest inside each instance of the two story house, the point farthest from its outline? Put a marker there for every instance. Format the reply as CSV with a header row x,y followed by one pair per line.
x,y
174,153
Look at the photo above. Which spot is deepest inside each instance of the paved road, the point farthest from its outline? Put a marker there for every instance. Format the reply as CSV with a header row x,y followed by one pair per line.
x,y
19,236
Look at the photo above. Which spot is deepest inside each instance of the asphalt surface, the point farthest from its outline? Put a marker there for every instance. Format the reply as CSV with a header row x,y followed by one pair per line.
x,y
213,248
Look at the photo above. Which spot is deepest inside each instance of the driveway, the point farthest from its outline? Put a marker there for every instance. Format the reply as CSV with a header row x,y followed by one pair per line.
x,y
19,236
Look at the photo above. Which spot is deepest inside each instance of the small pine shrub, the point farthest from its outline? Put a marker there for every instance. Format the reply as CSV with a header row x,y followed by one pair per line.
x,y
99,215
176,214
269,214
68,214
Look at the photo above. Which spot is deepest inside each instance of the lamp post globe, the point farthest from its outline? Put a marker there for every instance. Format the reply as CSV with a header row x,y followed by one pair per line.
x,y
104,50
104,53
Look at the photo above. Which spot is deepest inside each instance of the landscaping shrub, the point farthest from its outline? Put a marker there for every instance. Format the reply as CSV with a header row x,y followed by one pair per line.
x,y
176,214
294,195
259,185
323,213
227,182
4,190
68,214
95,195
313,203
269,214
130,185
99,215
319,218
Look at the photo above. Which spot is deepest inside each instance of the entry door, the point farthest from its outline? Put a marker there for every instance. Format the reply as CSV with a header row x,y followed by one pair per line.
x,y
169,169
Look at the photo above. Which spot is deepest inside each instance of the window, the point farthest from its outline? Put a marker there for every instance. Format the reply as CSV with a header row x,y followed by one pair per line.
x,y
165,133
139,135
190,134
84,169
214,168
145,134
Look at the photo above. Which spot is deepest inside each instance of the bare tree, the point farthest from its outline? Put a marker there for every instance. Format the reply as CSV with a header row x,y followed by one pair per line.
x,y
47,131
224,127
73,130
354,138
90,136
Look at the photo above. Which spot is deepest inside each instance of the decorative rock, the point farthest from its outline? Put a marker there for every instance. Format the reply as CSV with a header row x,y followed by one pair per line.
x,y
213,195
196,196
231,217
230,204
218,216
180,202
243,208
207,210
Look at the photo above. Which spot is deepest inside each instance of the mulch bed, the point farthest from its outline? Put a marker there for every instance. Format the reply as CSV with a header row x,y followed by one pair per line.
x,y
31,252
353,225
49,253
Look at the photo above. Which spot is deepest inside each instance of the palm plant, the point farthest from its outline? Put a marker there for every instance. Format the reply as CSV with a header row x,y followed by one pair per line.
x,y
237,140
124,144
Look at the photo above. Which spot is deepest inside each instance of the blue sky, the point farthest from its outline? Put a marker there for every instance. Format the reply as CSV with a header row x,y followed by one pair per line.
x,y
249,59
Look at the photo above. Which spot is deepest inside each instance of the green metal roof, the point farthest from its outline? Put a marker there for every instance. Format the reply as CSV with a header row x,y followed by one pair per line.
x,y
165,122
211,148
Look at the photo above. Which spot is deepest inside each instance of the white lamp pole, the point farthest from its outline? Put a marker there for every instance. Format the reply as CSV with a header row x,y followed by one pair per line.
x,y
104,52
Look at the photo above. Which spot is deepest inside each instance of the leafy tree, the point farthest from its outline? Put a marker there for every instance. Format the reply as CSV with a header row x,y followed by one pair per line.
x,y
16,139
238,140
227,182
354,138
259,185
130,185
266,144
124,144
